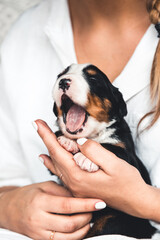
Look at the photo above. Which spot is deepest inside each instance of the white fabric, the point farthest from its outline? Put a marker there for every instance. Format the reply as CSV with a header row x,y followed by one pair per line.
x,y
112,237
8,235
38,47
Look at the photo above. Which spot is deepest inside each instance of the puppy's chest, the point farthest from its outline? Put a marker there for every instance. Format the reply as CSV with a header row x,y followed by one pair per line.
x,y
108,135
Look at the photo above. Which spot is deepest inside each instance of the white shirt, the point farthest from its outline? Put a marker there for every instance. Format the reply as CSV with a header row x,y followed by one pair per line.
x,y
39,46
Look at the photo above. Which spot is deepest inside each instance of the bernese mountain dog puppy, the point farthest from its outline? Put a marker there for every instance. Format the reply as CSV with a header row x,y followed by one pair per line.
x,y
88,105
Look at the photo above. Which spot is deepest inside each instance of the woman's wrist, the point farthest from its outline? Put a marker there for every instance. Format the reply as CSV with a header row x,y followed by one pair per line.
x,y
154,204
6,189
2,209
4,204
150,204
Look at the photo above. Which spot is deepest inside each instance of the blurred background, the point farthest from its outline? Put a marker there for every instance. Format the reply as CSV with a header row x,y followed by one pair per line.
x,y
9,12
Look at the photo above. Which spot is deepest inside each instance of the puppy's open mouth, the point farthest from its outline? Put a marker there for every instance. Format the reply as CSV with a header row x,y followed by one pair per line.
x,y
74,116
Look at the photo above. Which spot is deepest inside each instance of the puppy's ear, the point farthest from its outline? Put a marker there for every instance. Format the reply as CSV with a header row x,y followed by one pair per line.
x,y
55,109
120,103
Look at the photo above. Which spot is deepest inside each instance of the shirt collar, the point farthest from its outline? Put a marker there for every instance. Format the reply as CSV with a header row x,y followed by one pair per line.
x,y
136,74
59,31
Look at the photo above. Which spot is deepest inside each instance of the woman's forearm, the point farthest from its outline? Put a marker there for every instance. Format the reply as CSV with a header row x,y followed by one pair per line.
x,y
5,189
3,192
151,207
143,203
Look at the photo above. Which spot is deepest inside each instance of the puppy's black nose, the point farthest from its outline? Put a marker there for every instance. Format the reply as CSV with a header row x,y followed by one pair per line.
x,y
64,84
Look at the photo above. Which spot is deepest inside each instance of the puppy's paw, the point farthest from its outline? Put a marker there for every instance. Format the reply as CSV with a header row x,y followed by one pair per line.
x,y
68,144
84,163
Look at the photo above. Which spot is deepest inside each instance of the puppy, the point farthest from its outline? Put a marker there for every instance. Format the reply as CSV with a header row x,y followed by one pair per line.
x,y
88,105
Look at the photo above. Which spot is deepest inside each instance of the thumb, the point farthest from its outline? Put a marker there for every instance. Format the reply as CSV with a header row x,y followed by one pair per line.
x,y
55,189
105,159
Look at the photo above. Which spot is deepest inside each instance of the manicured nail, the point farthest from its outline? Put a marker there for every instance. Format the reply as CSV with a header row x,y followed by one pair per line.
x,y
100,205
91,225
81,141
41,159
35,125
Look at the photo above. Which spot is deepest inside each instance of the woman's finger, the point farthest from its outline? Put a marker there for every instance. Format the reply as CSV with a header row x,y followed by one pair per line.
x,y
55,189
77,235
54,148
64,223
69,205
53,168
49,163
98,154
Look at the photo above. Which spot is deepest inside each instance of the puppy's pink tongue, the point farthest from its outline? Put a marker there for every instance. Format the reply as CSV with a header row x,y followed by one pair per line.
x,y
75,118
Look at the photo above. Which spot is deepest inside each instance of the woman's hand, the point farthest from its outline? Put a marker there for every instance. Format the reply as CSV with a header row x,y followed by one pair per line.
x,y
118,183
38,209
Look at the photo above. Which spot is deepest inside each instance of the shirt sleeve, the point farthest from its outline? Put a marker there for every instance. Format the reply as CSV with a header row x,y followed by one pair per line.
x,y
148,149
12,165
155,171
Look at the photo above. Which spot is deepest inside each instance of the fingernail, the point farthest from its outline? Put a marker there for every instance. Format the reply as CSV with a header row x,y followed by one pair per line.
x,y
100,205
41,159
35,125
81,141
91,225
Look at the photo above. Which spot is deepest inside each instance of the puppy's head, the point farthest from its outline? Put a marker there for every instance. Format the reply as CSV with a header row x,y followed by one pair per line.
x,y
85,102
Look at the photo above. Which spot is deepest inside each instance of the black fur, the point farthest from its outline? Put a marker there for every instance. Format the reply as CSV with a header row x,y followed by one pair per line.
x,y
101,86
120,223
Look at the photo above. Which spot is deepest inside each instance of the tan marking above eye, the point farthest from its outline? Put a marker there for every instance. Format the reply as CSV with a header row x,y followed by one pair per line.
x,y
97,108
120,144
91,71
107,103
